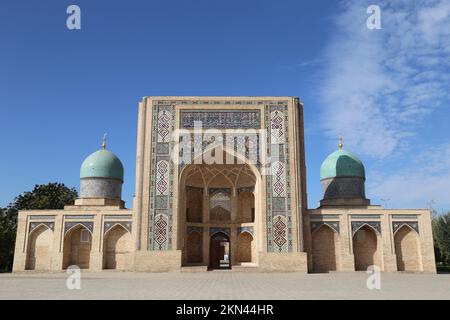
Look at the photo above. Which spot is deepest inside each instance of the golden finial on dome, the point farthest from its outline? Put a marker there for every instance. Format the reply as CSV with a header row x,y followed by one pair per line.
x,y
104,141
341,142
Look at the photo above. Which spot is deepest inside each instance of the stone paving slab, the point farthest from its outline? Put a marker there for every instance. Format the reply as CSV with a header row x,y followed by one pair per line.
x,y
224,285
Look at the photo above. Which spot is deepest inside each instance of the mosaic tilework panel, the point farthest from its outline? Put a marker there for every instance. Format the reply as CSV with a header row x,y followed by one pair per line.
x,y
356,225
245,145
110,224
279,212
161,194
396,225
70,225
225,119
161,177
332,224
34,225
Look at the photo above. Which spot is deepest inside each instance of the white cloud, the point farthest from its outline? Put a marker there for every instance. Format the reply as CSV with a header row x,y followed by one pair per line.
x,y
379,85
423,179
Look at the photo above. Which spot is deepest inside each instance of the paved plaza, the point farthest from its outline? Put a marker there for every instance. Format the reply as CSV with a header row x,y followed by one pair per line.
x,y
224,285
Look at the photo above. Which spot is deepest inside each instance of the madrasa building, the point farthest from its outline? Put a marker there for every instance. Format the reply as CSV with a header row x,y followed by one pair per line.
x,y
221,184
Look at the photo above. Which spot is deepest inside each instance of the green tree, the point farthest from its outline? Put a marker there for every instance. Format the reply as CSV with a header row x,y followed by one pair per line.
x,y
8,228
441,231
47,196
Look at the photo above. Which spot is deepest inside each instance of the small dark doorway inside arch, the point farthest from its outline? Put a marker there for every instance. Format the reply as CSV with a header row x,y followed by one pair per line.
x,y
219,252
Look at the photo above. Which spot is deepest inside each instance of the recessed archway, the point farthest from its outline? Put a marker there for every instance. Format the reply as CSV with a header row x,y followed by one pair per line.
x,y
365,248
407,249
245,247
325,244
218,197
40,243
116,248
77,247
219,251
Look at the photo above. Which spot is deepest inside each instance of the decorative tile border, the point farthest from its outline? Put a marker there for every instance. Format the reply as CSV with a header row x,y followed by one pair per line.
x,y
34,225
223,119
396,225
245,189
46,217
356,225
110,224
279,212
323,216
332,224
243,102
365,216
122,216
78,217
405,216
161,177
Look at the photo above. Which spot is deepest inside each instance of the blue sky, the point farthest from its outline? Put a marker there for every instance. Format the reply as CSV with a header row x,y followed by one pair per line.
x,y
386,90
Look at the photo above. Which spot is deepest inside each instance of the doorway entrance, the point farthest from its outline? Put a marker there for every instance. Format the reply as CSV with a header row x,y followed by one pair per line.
x,y
219,252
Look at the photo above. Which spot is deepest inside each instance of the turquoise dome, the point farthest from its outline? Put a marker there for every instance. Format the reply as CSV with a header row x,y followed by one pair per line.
x,y
342,163
102,164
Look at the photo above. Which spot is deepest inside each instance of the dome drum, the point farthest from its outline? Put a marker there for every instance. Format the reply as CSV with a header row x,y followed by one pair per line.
x,y
100,188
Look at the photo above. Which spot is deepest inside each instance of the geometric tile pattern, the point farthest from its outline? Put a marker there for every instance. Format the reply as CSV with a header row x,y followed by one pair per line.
x,y
161,177
278,190
332,224
110,224
246,145
396,225
356,225
88,225
164,126
279,179
280,233
34,225
277,133
161,231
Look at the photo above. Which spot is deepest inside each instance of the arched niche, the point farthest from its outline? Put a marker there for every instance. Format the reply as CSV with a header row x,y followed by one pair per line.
x,y
366,248
117,246
77,247
39,249
406,241
325,244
